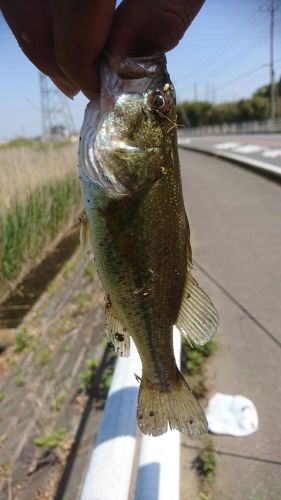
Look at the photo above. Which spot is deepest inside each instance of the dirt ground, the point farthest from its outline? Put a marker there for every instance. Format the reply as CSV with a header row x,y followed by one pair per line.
x,y
53,387
49,379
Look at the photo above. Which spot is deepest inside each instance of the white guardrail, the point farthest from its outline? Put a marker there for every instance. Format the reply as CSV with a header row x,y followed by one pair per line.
x,y
114,455
266,126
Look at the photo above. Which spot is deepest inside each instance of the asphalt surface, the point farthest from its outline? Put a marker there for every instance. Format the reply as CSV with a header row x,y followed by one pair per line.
x,y
236,238
256,150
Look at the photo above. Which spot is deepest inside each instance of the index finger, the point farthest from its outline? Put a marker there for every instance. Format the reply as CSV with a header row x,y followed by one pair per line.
x,y
143,28
81,29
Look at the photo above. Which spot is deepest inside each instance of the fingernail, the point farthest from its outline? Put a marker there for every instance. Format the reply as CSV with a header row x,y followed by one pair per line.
x,y
65,87
25,37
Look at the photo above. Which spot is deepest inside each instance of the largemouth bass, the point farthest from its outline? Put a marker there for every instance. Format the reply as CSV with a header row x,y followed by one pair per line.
x,y
131,187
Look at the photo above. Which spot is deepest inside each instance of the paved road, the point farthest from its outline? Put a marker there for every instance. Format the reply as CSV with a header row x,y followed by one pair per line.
x,y
236,237
258,149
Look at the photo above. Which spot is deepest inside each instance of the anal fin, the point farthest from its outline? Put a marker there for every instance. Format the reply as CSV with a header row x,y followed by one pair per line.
x,y
198,318
117,336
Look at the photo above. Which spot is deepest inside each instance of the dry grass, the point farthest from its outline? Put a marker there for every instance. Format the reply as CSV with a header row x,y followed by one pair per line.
x,y
23,168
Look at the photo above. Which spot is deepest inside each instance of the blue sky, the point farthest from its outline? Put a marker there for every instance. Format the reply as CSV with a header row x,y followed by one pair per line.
x,y
223,56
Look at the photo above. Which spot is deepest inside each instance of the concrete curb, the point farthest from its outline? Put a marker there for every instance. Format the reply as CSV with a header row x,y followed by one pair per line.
x,y
259,166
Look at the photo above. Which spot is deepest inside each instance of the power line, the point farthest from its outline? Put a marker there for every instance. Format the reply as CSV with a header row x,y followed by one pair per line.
x,y
221,53
240,77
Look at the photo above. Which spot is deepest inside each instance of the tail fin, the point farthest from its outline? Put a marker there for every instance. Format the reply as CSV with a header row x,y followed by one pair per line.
x,y
176,408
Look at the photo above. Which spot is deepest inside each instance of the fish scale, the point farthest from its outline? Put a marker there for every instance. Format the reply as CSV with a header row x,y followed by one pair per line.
x,y
131,187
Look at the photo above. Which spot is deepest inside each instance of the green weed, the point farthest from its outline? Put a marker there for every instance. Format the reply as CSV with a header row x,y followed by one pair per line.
x,y
90,270
107,378
29,225
2,396
5,469
43,357
34,144
3,438
205,496
22,339
58,401
53,440
80,298
52,287
205,465
19,380
68,347
208,464
68,268
14,361
209,348
87,376
192,360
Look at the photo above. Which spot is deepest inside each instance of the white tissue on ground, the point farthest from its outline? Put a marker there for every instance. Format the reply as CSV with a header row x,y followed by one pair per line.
x,y
233,415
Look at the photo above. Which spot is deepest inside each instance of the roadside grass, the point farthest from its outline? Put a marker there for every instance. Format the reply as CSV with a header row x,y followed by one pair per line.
x,y
19,379
87,376
90,270
39,195
56,441
25,165
192,362
43,356
58,401
206,465
5,469
30,224
22,339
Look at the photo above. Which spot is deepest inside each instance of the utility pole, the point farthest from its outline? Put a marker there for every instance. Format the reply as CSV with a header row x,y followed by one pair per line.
x,y
214,93
272,8
272,75
207,88
195,92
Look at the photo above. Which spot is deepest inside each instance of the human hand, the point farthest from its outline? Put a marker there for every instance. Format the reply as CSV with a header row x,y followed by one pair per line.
x,y
64,38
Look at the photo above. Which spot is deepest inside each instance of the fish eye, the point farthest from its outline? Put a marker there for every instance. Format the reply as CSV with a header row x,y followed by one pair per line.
x,y
159,102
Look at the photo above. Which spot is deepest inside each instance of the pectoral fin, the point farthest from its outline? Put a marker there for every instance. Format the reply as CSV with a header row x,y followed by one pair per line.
x,y
198,318
118,337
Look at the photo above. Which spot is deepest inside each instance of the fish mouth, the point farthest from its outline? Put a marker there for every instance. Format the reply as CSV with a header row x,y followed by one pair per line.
x,y
135,68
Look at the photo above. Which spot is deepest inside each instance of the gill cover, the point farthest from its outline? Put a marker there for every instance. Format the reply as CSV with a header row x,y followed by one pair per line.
x,y
123,134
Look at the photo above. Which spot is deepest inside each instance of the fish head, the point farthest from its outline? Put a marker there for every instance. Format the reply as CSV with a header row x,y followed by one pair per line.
x,y
129,130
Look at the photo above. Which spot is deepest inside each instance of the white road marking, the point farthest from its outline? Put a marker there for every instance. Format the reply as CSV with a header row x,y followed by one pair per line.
x,y
249,148
272,153
226,145
183,140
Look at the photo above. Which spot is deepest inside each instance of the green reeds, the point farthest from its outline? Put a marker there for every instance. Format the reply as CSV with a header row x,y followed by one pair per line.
x,y
28,225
